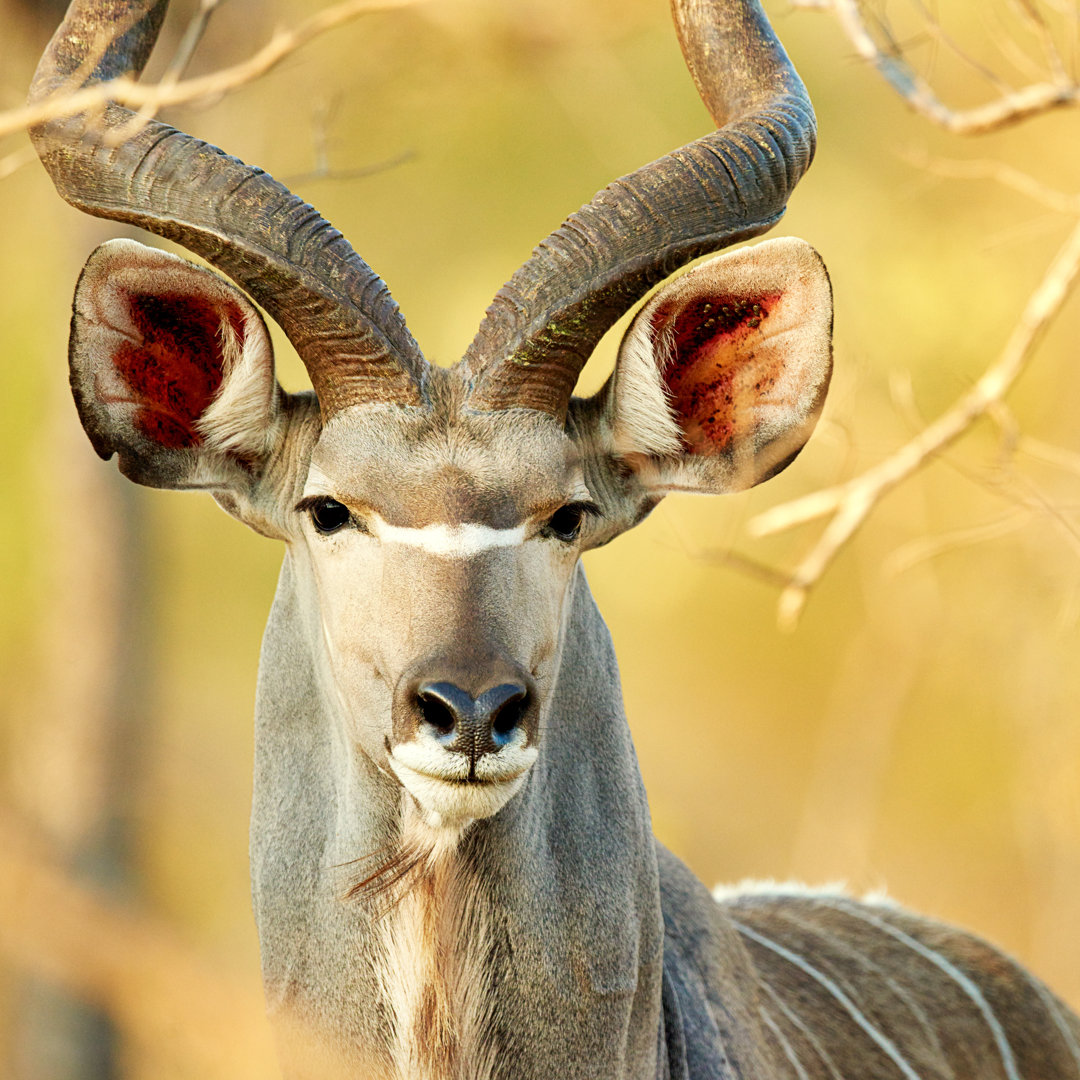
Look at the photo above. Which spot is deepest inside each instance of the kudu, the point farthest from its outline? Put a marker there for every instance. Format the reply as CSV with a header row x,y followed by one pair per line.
x,y
454,871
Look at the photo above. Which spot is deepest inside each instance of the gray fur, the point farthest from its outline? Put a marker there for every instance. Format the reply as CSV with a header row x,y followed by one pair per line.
x,y
553,937
419,922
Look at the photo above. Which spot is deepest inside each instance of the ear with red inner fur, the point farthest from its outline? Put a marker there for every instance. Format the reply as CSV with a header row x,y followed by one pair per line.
x,y
722,376
174,372
171,367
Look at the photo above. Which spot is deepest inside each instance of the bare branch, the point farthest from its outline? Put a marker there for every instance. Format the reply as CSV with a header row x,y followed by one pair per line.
x,y
323,171
1010,108
175,71
190,41
1006,175
1011,50
1034,498
149,99
940,35
850,503
1049,455
930,547
748,566
1032,17
14,161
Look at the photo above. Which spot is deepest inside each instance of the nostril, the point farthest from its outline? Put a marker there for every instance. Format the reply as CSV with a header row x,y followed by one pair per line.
x,y
467,724
436,713
509,715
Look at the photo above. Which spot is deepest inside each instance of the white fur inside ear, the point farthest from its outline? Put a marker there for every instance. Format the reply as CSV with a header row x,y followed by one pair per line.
x,y
643,422
238,420
718,402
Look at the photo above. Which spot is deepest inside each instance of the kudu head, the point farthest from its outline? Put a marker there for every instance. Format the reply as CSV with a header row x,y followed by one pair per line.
x,y
435,517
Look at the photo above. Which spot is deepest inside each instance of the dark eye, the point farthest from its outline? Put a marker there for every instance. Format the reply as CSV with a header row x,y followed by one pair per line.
x,y
565,523
328,515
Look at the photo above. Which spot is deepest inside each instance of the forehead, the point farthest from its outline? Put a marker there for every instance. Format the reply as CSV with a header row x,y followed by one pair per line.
x,y
420,466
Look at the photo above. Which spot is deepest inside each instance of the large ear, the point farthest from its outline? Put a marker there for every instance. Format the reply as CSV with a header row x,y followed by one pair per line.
x,y
173,370
722,376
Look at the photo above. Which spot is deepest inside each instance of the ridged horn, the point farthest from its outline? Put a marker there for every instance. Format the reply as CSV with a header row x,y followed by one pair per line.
x,y
335,309
728,186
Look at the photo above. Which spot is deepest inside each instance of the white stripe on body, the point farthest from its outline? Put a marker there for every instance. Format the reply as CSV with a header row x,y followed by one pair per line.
x,y
883,1041
789,1051
749,887
1059,1021
796,1023
1008,1059
919,1013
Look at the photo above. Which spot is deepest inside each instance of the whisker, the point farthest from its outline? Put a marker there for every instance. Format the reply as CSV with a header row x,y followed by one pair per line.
x,y
361,858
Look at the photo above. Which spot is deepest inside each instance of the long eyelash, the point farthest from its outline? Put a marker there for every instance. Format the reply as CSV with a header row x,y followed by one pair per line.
x,y
586,507
309,502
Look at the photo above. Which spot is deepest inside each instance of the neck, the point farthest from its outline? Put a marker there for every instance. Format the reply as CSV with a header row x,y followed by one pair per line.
x,y
518,946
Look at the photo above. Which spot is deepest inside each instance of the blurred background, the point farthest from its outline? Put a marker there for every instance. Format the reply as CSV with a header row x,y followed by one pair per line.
x,y
917,732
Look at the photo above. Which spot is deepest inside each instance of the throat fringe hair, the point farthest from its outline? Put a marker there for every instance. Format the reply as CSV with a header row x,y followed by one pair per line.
x,y
435,970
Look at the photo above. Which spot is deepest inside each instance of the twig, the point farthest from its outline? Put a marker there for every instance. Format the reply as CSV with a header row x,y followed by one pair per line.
x,y
175,71
850,503
940,34
1033,497
744,564
930,547
1006,175
1010,49
323,171
1010,108
190,41
1049,454
1031,15
14,161
150,98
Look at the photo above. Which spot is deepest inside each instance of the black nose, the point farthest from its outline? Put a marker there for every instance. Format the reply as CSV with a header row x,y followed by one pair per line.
x,y
472,725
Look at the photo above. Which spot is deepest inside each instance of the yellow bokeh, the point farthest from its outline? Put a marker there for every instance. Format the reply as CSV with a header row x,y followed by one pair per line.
x,y
918,731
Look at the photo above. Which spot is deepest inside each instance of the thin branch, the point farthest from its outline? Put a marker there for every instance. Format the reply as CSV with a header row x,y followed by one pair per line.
x,y
939,32
190,41
1010,108
1031,15
931,8
1008,426
14,161
748,566
1032,496
175,71
850,503
323,171
1048,454
930,547
148,99
1021,231
1011,50
192,36
1006,175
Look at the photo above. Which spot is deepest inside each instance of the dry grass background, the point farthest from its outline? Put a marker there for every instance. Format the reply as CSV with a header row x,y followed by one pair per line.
x,y
917,731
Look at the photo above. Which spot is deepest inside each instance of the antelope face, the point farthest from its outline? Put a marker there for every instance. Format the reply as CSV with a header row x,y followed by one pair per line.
x,y
442,544
435,538
437,517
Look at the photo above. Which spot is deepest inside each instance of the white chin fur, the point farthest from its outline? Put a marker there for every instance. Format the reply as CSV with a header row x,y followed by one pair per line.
x,y
438,779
